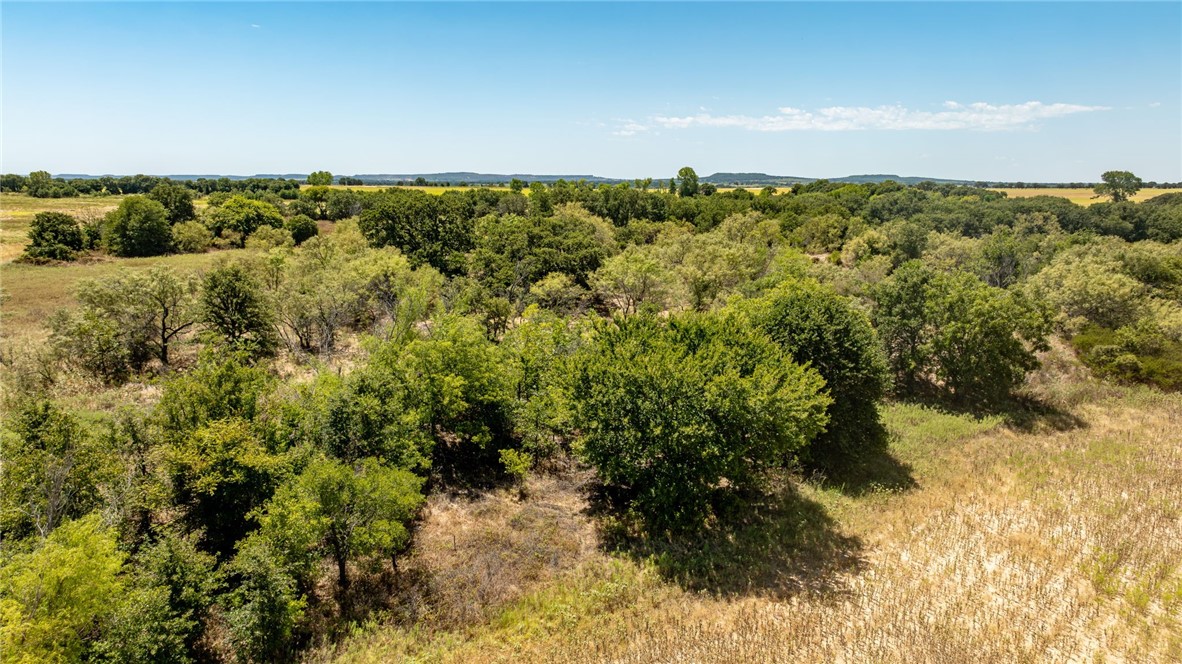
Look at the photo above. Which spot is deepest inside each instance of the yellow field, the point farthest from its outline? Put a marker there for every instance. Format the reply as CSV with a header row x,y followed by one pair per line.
x,y
1081,196
17,210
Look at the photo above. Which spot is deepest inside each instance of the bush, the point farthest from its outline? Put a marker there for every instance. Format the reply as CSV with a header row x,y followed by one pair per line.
x,y
302,228
235,310
243,216
91,342
191,237
177,200
138,227
672,413
54,236
817,327
267,238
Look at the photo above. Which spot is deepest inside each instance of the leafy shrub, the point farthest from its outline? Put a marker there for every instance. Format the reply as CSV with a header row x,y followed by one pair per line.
x,y
267,237
138,227
301,228
54,236
243,216
191,237
817,327
671,413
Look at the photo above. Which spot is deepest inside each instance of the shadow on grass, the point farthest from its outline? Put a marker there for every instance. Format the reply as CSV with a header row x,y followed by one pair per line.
x,y
779,544
1023,412
873,471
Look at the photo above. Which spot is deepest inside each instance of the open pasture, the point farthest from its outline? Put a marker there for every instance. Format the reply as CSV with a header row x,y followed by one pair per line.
x,y
1082,195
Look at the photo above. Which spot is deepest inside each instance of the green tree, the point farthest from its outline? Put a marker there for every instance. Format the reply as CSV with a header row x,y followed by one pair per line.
x,y
816,326
235,309
1118,185
219,474
50,470
901,319
243,216
53,597
984,338
54,236
151,308
319,178
345,511
138,227
265,609
667,411
687,182
302,228
177,201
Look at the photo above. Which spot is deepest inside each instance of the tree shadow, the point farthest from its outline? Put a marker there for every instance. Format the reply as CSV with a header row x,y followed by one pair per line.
x,y
1024,412
875,470
779,544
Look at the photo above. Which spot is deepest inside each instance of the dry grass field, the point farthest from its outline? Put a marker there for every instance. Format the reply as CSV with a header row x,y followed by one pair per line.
x,y
1082,196
1052,534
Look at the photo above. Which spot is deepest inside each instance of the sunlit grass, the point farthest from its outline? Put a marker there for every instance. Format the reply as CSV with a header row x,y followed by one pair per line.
x,y
1082,196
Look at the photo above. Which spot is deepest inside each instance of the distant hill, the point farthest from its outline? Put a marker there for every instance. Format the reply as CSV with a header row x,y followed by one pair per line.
x,y
469,177
764,180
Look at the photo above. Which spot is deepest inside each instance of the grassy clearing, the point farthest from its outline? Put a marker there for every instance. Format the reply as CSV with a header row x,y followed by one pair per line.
x,y
1051,535
1082,196
17,210
32,293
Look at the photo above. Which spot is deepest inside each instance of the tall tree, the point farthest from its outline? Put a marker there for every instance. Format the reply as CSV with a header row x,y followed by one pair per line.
x,y
1119,185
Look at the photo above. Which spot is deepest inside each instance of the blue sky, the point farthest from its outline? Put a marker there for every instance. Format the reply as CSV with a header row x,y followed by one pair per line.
x,y
1009,91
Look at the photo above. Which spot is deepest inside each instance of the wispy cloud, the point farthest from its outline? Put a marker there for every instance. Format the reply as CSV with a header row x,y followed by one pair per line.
x,y
630,128
979,116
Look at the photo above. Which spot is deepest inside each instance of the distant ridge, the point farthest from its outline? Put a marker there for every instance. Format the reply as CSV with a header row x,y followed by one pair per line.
x,y
763,179
469,177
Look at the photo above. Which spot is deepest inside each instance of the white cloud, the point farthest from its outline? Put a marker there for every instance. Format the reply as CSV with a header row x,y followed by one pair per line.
x,y
630,128
254,25
975,116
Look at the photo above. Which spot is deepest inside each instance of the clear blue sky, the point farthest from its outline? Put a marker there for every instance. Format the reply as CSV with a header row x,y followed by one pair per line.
x,y
1010,91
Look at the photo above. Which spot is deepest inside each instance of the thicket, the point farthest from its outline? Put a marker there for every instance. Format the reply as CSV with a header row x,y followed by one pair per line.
x,y
313,388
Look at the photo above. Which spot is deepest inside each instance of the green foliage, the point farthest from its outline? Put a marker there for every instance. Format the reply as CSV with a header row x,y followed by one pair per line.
x,y
821,329
160,618
687,182
54,598
242,216
319,178
50,471
976,340
218,388
235,310
633,279
1089,289
1139,353
1119,185
54,236
138,227
345,511
91,342
984,338
538,348
177,201
151,309
266,238
301,228
901,319
670,411
219,474
191,237
265,610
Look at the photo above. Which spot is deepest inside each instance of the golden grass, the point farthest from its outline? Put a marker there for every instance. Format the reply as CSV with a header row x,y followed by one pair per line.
x,y
17,210
1082,196
1056,538
32,293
